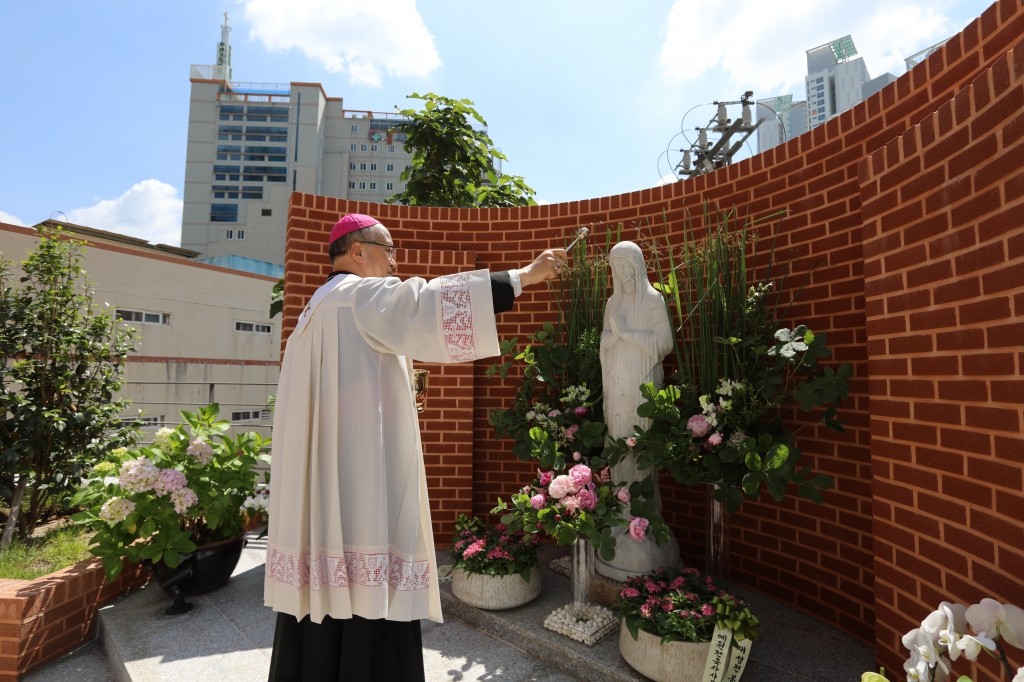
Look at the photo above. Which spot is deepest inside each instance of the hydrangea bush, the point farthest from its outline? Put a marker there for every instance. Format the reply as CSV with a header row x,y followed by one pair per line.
x,y
182,491
683,606
493,550
580,504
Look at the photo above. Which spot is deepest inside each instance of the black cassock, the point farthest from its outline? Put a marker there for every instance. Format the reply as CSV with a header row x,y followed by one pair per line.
x,y
346,650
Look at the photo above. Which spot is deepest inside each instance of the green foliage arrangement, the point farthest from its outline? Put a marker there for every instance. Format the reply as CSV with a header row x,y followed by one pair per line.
x,y
182,491
683,606
61,363
740,370
493,550
453,163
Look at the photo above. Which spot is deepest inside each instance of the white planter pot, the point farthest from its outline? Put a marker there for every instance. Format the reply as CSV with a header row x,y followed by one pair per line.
x,y
495,592
671,662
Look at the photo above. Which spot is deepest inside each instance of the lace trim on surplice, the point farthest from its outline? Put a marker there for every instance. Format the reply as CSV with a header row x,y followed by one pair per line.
x,y
358,568
457,317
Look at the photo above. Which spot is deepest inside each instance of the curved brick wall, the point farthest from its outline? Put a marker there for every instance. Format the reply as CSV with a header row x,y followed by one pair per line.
x,y
913,198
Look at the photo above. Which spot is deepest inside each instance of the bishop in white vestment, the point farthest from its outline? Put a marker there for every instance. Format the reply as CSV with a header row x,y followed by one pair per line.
x,y
350,552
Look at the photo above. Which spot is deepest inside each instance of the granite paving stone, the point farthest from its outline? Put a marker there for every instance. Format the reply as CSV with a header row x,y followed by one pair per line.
x,y
85,664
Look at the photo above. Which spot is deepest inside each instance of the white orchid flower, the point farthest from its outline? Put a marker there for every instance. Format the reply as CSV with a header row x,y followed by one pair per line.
x,y
971,645
1019,677
920,641
946,626
992,619
916,668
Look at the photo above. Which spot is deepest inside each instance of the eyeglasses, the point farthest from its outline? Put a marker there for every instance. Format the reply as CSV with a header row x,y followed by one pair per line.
x,y
390,247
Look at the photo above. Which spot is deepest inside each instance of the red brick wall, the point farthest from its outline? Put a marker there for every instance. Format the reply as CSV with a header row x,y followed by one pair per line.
x,y
42,619
819,558
943,210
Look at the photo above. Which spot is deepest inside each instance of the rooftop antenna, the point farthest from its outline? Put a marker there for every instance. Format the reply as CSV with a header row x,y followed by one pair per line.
x,y
224,49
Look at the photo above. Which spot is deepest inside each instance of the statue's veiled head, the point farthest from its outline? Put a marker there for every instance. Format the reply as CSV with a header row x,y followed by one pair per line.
x,y
628,266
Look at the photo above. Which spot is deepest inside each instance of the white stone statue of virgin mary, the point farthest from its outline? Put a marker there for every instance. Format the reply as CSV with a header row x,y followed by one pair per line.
x,y
637,336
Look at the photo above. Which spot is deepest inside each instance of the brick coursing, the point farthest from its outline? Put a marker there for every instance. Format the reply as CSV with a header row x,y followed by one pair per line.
x,y
908,204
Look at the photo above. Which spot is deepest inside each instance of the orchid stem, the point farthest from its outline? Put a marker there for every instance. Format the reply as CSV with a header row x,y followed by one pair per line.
x,y
1002,659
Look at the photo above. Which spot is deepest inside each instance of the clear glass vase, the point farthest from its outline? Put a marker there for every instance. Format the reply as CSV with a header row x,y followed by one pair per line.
x,y
581,572
716,552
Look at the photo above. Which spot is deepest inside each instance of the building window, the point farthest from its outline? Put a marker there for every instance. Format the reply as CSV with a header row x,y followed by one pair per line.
x,y
143,316
250,415
352,147
391,148
362,166
362,147
373,185
351,185
229,234
389,186
391,168
355,128
224,213
253,327
148,422
241,234
373,147
352,166
252,193
362,185
373,166
265,211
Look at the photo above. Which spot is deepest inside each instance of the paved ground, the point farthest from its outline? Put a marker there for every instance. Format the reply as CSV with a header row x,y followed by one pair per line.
x,y
229,633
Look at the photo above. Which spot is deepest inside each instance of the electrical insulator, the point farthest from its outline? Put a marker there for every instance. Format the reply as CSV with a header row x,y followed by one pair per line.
x,y
707,166
702,139
747,117
723,115
686,160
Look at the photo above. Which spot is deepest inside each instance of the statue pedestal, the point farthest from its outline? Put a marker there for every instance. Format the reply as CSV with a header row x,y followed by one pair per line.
x,y
637,558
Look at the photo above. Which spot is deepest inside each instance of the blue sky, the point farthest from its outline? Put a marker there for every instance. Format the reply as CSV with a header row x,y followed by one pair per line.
x,y
581,96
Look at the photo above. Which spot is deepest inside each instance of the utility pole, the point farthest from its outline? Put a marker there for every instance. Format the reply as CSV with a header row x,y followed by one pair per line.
x,y
706,155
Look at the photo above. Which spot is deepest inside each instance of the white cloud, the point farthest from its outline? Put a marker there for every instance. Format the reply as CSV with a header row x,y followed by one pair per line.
x,y
542,202
667,180
149,210
9,219
351,36
762,46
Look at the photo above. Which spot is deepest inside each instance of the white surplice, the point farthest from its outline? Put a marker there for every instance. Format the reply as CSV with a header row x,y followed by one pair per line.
x,y
350,530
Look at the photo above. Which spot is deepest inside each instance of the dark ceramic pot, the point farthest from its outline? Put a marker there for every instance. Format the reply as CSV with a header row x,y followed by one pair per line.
x,y
206,569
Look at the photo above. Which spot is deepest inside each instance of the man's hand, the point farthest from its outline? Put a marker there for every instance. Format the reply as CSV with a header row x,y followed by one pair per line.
x,y
547,265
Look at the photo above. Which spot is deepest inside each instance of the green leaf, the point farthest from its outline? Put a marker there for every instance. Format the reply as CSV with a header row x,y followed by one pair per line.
x,y
776,487
777,456
172,558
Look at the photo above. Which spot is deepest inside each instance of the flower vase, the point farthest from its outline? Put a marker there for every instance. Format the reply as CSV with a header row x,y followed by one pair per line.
x,y
716,550
581,619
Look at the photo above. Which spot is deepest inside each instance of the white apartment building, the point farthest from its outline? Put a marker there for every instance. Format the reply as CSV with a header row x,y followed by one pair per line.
x,y
784,120
250,145
204,332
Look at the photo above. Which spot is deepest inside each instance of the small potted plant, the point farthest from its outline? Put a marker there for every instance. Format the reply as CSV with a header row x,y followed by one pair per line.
x,y
670,617
494,568
176,506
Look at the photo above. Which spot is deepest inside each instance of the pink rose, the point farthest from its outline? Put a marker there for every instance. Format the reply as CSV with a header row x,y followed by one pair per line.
x,y
630,442
715,439
570,433
560,487
538,501
638,528
581,475
580,411
588,500
545,476
577,456
572,503
698,425
623,495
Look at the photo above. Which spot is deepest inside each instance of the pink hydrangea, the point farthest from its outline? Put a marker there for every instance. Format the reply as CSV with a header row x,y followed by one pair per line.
x,y
168,481
474,549
183,498
623,495
459,545
588,500
116,509
653,587
138,475
560,487
501,528
201,450
572,503
677,583
581,475
580,411
629,593
715,439
698,425
707,610
638,528
538,501
545,476
570,433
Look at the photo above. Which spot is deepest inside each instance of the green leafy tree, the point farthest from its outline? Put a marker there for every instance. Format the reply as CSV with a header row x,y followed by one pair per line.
x,y
61,363
453,163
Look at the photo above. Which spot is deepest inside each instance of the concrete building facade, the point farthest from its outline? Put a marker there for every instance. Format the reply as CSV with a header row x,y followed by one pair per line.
x,y
204,332
250,145
784,120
